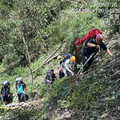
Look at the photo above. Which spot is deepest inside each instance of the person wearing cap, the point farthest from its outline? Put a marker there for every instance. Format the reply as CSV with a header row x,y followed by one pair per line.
x,y
5,91
67,66
93,46
20,90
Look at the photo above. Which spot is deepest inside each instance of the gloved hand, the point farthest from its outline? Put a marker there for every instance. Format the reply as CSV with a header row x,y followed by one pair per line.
x,y
97,47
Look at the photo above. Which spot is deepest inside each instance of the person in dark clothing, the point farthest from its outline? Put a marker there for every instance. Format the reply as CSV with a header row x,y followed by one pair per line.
x,y
50,77
5,91
61,73
92,47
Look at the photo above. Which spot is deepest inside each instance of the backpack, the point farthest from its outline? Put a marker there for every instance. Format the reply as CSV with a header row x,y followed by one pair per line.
x,y
48,75
90,34
23,83
66,56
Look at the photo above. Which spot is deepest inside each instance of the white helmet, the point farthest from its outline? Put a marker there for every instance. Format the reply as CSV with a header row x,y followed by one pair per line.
x,y
5,82
19,79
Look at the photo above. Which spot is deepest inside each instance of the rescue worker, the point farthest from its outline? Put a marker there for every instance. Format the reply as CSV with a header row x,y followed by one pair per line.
x,y
93,46
67,66
66,62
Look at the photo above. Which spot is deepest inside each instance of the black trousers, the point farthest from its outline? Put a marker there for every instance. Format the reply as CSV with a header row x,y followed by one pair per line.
x,y
88,64
21,97
5,98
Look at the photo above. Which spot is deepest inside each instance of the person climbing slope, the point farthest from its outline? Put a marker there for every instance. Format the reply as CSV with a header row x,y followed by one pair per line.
x,y
91,48
66,63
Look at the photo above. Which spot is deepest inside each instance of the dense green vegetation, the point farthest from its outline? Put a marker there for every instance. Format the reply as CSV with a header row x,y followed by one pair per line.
x,y
44,24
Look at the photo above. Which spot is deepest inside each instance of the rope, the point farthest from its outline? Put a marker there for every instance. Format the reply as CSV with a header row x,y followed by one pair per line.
x,y
85,63
45,61
93,70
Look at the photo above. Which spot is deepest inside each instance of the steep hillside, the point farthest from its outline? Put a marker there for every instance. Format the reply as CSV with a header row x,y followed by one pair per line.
x,y
34,33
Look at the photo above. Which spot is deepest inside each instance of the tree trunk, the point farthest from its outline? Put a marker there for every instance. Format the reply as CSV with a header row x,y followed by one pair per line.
x,y
29,62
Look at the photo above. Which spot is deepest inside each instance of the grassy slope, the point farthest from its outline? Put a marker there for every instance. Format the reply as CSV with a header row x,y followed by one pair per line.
x,y
71,24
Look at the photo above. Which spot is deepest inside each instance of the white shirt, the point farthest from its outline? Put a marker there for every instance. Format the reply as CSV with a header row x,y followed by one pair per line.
x,y
67,66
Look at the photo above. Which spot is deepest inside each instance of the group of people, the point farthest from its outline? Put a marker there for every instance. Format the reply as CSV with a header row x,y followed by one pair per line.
x,y
91,43
20,89
66,63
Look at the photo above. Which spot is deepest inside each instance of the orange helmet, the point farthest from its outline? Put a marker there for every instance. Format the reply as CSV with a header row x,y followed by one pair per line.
x,y
73,59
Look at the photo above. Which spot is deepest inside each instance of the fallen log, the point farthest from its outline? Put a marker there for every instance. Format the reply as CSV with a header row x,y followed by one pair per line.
x,y
45,61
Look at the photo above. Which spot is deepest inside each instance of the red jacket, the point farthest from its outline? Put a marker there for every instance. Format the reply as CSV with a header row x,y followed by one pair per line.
x,y
91,33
